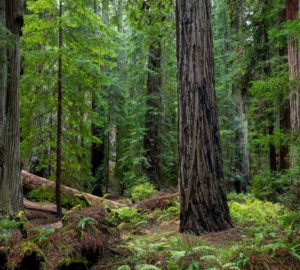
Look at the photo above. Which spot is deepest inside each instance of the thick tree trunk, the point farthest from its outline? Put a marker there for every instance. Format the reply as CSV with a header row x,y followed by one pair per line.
x,y
31,182
203,199
11,198
292,8
59,118
152,142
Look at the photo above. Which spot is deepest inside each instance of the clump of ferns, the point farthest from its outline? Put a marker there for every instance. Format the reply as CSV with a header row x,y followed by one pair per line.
x,y
175,254
199,257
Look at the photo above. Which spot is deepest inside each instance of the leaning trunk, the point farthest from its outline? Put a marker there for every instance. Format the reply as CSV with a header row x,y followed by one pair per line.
x,y
11,200
203,200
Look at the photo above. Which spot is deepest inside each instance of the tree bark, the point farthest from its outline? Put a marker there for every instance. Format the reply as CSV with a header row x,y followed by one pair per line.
x,y
152,142
59,118
203,201
11,197
292,9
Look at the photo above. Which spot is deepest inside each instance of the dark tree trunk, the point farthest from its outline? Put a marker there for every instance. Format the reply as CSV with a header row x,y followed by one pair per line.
x,y
152,142
292,8
285,120
203,199
272,151
11,196
97,155
97,150
285,126
59,117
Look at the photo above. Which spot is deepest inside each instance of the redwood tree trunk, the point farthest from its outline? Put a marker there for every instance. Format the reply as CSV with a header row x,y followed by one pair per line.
x,y
152,142
292,8
203,199
11,196
59,119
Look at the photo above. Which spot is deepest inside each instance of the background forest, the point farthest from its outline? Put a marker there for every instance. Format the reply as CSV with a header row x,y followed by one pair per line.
x,y
117,111
119,79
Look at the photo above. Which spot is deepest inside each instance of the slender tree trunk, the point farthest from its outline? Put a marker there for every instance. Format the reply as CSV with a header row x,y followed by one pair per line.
x,y
203,199
59,117
97,150
285,125
272,151
242,157
11,194
285,120
152,141
292,8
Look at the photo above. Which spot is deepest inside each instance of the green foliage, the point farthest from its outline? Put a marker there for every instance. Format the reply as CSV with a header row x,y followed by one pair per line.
x,y
130,218
86,224
266,231
84,52
44,194
142,191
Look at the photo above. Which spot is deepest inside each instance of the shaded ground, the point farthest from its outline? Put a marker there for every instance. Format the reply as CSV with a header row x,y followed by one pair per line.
x,y
97,238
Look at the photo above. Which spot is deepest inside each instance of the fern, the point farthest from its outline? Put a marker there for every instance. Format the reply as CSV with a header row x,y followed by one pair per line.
x,y
124,267
146,267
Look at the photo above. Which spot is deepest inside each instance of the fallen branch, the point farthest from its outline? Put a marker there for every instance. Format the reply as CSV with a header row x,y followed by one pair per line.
x,y
31,182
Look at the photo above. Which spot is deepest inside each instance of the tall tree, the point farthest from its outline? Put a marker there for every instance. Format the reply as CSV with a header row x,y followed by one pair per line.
x,y
203,198
152,142
292,9
11,198
59,114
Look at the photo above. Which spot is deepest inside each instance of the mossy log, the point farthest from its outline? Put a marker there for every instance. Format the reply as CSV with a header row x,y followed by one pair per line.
x,y
31,182
43,207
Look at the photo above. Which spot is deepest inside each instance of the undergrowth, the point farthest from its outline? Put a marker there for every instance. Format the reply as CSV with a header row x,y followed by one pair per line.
x,y
268,237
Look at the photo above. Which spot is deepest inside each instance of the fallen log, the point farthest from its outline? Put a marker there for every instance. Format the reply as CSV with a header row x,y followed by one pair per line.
x,y
31,182
157,202
42,207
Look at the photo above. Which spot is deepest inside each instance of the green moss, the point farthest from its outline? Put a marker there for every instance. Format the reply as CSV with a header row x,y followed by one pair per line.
x,y
25,250
68,201
71,263
42,195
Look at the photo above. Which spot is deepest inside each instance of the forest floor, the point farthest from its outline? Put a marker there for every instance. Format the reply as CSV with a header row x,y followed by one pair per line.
x,y
265,236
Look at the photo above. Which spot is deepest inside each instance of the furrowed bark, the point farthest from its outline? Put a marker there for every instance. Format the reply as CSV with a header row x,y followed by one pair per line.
x,y
11,197
292,9
203,199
